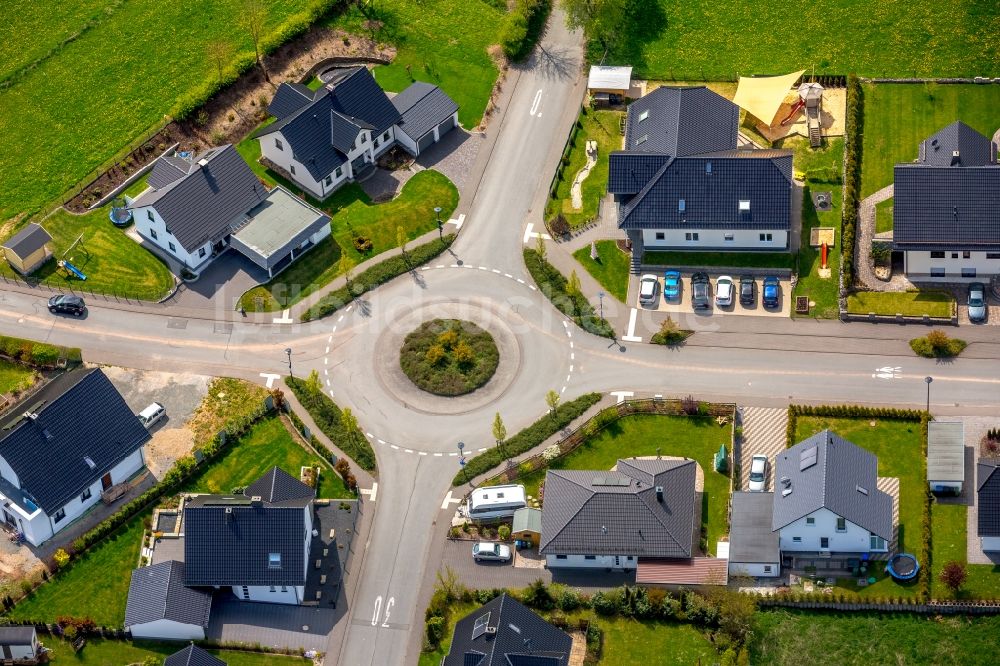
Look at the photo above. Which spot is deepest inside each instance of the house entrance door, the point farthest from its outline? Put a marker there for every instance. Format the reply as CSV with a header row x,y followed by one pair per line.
x,y
106,481
7,518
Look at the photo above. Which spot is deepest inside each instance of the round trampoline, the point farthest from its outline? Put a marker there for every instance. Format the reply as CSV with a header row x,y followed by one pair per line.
x,y
120,217
903,566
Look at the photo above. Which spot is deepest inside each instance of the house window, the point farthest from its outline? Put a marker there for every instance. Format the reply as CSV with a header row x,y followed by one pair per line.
x,y
329,180
590,557
149,216
691,236
560,557
643,115
968,272
201,252
274,560
278,145
875,542
729,238
291,167
152,232
339,172
364,138
641,140
681,205
246,592
937,255
810,521
796,539
660,235
376,142
173,248
824,542
60,514
954,255
767,568
385,137
841,525
284,588
766,238
937,272
85,495
993,255
966,254
629,558
273,589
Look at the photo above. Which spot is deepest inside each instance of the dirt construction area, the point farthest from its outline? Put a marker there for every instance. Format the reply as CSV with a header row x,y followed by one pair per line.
x,y
180,394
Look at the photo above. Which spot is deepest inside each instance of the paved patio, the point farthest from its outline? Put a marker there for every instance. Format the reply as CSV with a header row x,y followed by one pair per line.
x,y
274,625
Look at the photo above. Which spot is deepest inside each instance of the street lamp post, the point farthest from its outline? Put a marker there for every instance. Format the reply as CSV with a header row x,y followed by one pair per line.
x,y
461,459
600,299
437,216
928,381
288,352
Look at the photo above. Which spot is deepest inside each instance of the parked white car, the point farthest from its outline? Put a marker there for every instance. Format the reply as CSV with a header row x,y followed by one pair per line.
x,y
724,290
758,474
649,287
152,414
487,551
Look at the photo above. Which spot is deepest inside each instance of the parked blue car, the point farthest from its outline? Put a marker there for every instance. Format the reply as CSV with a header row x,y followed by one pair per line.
x,y
772,294
672,285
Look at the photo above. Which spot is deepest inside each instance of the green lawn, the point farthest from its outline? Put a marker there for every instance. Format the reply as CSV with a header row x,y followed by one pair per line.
x,y
100,93
911,303
351,214
15,377
697,437
856,638
94,586
600,126
883,216
458,610
101,652
673,39
948,527
898,447
610,269
899,117
821,171
438,41
113,263
628,642
673,259
268,443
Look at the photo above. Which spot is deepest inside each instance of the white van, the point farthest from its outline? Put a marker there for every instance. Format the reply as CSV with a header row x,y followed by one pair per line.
x,y
494,502
149,416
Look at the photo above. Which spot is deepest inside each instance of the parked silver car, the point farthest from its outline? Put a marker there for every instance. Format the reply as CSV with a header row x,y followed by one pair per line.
x,y
758,474
649,287
487,551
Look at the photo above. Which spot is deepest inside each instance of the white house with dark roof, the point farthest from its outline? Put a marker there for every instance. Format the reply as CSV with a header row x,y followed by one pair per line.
x,y
329,137
946,207
682,184
62,448
18,643
161,607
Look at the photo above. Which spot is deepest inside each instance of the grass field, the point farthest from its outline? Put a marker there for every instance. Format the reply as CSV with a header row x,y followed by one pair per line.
x,y
610,269
101,652
351,214
911,303
672,39
105,88
948,527
113,263
15,377
438,41
883,216
600,126
628,642
899,116
672,259
856,638
697,437
898,447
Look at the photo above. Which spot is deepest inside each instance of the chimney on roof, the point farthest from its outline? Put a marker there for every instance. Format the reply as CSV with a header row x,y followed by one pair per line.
x,y
956,158
659,494
256,501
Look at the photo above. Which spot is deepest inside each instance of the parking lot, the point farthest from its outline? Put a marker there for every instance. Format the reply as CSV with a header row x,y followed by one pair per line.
x,y
683,304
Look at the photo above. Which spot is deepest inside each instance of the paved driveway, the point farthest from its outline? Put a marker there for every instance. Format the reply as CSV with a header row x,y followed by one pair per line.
x,y
274,625
763,433
454,156
221,284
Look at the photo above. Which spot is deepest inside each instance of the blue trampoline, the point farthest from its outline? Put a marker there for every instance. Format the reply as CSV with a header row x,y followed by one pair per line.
x,y
903,566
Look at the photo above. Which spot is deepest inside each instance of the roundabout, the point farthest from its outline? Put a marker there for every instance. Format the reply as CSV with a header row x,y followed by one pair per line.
x,y
449,357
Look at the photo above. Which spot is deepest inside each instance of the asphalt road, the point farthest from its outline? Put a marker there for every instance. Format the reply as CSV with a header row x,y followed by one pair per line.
x,y
752,361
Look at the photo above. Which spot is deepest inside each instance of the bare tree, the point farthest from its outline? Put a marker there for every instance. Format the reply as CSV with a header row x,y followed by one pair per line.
x,y
252,19
220,53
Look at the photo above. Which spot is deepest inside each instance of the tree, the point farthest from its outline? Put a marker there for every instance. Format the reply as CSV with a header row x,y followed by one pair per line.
x,y
953,575
350,423
601,20
434,354
540,246
938,339
219,52
736,611
252,18
499,430
401,239
313,384
463,353
552,400
345,266
573,284
62,558
594,256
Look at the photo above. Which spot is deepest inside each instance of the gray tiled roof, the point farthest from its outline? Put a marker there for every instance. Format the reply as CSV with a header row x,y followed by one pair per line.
x,y
585,512
711,186
973,148
629,173
988,503
939,207
16,635
192,655
289,98
521,638
422,107
158,592
751,539
28,240
681,121
278,486
343,131
167,169
358,96
309,135
200,206
81,415
836,482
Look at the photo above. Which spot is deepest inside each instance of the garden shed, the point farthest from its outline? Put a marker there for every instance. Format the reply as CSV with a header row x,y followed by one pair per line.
x,y
28,249
611,80
946,456
527,526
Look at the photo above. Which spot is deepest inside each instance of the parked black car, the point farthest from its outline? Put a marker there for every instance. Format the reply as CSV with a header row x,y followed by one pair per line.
x,y
63,304
748,290
700,299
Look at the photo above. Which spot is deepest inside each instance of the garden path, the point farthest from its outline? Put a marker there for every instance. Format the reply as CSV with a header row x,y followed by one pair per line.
x,y
866,221
577,190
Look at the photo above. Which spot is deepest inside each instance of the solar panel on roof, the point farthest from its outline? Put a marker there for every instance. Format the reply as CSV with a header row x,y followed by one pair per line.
x,y
808,457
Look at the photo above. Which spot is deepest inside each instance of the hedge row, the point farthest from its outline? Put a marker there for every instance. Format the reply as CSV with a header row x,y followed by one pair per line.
x,y
852,174
327,416
523,27
378,274
552,284
527,439
37,353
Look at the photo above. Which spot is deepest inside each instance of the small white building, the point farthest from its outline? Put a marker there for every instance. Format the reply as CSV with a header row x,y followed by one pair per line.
x,y
609,79
161,607
946,457
18,643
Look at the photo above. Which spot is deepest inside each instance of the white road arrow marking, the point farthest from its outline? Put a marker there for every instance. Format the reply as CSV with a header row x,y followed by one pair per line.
x,y
529,233
270,377
888,372
536,102
459,222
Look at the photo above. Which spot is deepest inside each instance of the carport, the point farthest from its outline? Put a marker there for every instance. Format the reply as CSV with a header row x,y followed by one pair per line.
x,y
278,230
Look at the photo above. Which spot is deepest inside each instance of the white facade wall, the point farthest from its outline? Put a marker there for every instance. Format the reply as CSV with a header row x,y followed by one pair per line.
x,y
23,651
318,188
406,141
919,264
854,539
991,544
755,569
7,472
599,562
289,594
146,226
384,143
714,239
168,630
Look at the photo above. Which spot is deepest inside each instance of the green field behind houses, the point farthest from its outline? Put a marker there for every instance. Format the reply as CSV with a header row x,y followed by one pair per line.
x,y
908,303
675,39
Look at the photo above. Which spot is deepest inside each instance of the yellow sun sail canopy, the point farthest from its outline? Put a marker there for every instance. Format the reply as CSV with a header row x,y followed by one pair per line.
x,y
762,96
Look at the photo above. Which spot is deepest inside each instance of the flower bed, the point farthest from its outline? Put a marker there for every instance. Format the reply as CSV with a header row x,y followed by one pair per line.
x,y
449,357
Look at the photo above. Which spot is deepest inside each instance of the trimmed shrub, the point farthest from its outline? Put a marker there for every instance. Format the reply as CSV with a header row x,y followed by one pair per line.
x,y
328,418
522,27
553,285
604,603
37,353
852,173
